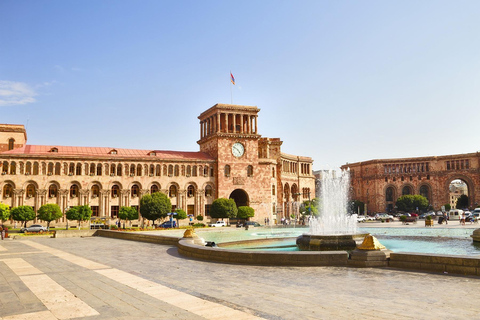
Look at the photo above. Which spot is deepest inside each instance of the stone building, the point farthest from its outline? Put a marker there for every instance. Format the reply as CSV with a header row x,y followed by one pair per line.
x,y
234,161
379,183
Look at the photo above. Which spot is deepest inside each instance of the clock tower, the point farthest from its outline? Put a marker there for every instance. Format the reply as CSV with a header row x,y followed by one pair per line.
x,y
229,134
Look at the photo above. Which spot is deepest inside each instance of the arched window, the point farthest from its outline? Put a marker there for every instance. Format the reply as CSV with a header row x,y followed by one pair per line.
x,y
95,191
176,173
13,168
424,191
295,192
286,191
152,169
11,143
71,169
92,169
135,191
119,169
172,191
158,170
170,170
57,168
5,167
132,170
250,171
389,194
73,191
52,191
113,169
190,191
154,188
99,169
139,170
227,171
115,191
35,168
189,171
194,171
406,190
205,171
30,191
182,171
208,191
7,191
28,168
78,170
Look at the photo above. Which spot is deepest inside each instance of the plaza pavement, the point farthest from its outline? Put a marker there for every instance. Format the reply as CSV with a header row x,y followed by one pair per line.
x,y
101,278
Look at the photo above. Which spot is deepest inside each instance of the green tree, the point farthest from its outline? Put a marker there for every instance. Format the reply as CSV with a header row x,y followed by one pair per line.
x,y
23,213
412,202
309,207
448,207
4,212
49,212
223,208
155,206
180,215
128,213
79,213
245,212
462,201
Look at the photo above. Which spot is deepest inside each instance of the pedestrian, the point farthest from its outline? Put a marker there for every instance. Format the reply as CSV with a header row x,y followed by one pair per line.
x,y
462,220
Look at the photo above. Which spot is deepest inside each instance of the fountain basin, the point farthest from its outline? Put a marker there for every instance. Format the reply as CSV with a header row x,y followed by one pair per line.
x,y
347,242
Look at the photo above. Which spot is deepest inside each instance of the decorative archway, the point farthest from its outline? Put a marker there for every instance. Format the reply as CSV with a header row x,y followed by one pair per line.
x,y
240,197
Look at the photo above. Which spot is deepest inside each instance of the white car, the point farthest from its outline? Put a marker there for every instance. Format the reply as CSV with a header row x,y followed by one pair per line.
x,y
383,216
361,219
218,224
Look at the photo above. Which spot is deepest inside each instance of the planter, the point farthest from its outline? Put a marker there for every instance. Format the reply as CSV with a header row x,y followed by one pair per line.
x,y
429,223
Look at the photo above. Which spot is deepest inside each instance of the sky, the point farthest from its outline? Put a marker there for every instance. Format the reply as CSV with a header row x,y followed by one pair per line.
x,y
338,81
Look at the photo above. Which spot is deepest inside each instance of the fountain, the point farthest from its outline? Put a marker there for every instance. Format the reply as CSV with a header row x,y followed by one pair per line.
x,y
334,228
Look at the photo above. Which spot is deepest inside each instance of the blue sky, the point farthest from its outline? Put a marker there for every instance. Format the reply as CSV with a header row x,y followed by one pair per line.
x,y
340,81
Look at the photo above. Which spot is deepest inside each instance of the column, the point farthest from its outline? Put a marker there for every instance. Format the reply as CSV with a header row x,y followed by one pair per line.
x,y
255,124
218,122
226,122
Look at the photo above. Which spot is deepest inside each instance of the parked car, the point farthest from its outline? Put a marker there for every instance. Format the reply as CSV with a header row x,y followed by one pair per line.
x,y
361,219
252,224
369,218
168,224
218,224
383,216
34,228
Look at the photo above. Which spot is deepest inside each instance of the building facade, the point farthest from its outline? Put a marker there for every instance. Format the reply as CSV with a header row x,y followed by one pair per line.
x,y
379,183
234,161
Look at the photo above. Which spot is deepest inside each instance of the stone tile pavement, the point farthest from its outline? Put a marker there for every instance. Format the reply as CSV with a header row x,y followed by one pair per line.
x,y
101,278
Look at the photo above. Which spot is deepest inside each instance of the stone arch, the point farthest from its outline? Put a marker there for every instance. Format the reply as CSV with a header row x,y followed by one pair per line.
x,y
26,183
10,182
116,182
95,182
407,186
154,185
468,181
240,197
130,185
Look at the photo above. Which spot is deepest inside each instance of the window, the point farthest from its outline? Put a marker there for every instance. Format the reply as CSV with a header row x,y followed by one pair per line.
x,y
172,191
194,171
157,170
30,191
227,171
389,194
170,170
5,167
176,173
73,191
250,171
7,191
208,207
406,191
189,171
71,169
11,143
52,191
273,190
94,211
57,168
139,170
115,191
135,191
78,169
132,170
190,191
208,191
114,211
119,170
95,191
99,169
152,170
154,188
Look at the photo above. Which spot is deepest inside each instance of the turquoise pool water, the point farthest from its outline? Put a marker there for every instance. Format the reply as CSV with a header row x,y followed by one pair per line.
x,y
431,240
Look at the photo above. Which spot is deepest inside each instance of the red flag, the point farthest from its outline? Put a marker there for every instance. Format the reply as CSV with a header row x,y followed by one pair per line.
x,y
232,78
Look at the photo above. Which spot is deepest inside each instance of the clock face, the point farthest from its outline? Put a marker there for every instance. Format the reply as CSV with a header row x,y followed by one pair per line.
x,y
238,149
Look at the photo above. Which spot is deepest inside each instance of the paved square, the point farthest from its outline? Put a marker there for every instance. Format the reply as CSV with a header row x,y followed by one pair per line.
x,y
100,278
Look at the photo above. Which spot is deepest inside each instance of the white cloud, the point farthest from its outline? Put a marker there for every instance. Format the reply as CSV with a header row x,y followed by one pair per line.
x,y
15,93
